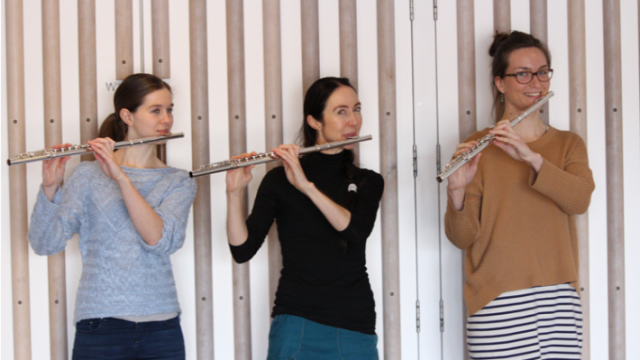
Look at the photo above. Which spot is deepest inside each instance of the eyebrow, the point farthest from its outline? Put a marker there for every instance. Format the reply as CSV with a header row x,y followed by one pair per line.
x,y
346,106
528,68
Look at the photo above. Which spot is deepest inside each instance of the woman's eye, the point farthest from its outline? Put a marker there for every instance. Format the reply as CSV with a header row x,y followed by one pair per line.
x,y
155,111
357,109
543,72
522,74
342,112
170,111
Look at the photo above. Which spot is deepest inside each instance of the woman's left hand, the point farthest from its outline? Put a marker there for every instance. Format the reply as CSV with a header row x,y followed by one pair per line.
x,y
103,149
289,155
509,141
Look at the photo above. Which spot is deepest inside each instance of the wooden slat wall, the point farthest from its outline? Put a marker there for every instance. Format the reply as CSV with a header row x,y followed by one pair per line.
x,y
615,179
310,43
238,145
124,38
538,16
349,47
161,50
578,124
200,155
388,170
52,136
272,119
502,15
467,122
87,72
18,181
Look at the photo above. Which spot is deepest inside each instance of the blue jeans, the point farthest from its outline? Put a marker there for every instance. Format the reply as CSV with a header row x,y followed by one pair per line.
x,y
110,338
296,338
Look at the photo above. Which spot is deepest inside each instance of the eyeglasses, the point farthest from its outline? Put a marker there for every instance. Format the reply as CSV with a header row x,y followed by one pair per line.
x,y
525,77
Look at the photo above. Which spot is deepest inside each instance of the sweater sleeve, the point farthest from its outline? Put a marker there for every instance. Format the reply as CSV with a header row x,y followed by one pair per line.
x,y
570,188
260,220
365,209
55,222
463,227
174,212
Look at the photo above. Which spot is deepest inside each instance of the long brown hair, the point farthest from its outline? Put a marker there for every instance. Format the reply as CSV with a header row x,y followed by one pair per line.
x,y
129,95
503,45
315,101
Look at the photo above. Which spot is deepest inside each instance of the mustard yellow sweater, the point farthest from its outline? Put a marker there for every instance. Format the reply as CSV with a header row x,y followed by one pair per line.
x,y
518,227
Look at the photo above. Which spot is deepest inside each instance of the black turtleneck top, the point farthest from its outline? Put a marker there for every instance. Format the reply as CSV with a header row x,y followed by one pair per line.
x,y
320,280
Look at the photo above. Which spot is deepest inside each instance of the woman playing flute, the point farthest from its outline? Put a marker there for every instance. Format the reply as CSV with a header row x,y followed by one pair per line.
x,y
325,208
512,208
130,211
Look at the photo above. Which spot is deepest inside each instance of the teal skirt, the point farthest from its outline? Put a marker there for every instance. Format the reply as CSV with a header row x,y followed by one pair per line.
x,y
296,338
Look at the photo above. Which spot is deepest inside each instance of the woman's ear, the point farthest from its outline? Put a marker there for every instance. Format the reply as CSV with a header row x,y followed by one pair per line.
x,y
125,115
499,84
315,124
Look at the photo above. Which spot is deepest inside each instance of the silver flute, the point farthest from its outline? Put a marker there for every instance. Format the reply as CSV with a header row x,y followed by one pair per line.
x,y
48,154
463,158
268,157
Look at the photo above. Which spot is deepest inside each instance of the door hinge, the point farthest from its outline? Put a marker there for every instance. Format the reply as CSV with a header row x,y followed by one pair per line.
x,y
441,316
435,10
418,316
415,161
438,161
411,10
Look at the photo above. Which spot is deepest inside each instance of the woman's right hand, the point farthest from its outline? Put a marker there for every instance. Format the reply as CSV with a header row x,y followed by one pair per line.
x,y
53,172
238,179
458,181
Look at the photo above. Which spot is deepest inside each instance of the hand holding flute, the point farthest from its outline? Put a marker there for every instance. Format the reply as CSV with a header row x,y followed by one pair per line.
x,y
53,172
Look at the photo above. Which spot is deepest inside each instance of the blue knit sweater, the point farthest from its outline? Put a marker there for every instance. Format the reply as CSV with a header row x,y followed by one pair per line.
x,y
122,275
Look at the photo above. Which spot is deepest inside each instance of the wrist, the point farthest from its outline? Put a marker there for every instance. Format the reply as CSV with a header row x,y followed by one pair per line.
x,y
123,180
535,161
308,188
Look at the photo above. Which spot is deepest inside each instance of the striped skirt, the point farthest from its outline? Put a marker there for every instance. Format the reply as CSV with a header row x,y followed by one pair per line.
x,y
539,323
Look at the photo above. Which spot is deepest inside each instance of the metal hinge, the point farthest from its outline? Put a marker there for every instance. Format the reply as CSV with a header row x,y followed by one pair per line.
x,y
435,10
411,10
438,162
415,161
441,316
418,316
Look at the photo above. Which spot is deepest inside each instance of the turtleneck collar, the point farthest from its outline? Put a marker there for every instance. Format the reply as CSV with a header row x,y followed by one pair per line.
x,y
318,161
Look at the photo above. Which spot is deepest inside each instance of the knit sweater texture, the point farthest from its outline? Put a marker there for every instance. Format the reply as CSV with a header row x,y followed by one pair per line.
x,y
518,227
320,281
121,275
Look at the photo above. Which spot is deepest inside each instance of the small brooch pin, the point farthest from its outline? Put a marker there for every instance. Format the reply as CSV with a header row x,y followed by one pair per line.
x,y
353,187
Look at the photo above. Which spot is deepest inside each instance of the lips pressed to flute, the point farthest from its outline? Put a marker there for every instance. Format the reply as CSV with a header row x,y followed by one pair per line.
x,y
463,158
268,157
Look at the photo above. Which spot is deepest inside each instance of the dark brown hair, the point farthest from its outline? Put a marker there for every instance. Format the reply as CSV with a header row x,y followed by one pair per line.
x,y
129,95
503,45
315,102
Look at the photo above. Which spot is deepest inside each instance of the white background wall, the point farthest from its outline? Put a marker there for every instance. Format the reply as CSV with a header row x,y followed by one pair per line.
x,y
421,268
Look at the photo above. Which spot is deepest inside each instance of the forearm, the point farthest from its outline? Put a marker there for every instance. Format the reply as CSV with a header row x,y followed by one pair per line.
x,y
457,197
337,216
237,232
146,221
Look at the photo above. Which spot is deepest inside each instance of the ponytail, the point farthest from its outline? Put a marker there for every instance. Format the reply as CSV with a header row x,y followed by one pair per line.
x,y
113,127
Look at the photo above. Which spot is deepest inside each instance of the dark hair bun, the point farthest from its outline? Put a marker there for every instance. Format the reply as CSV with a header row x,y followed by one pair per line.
x,y
498,39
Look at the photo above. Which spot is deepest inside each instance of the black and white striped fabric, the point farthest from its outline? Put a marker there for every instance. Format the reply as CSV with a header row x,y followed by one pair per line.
x,y
538,323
